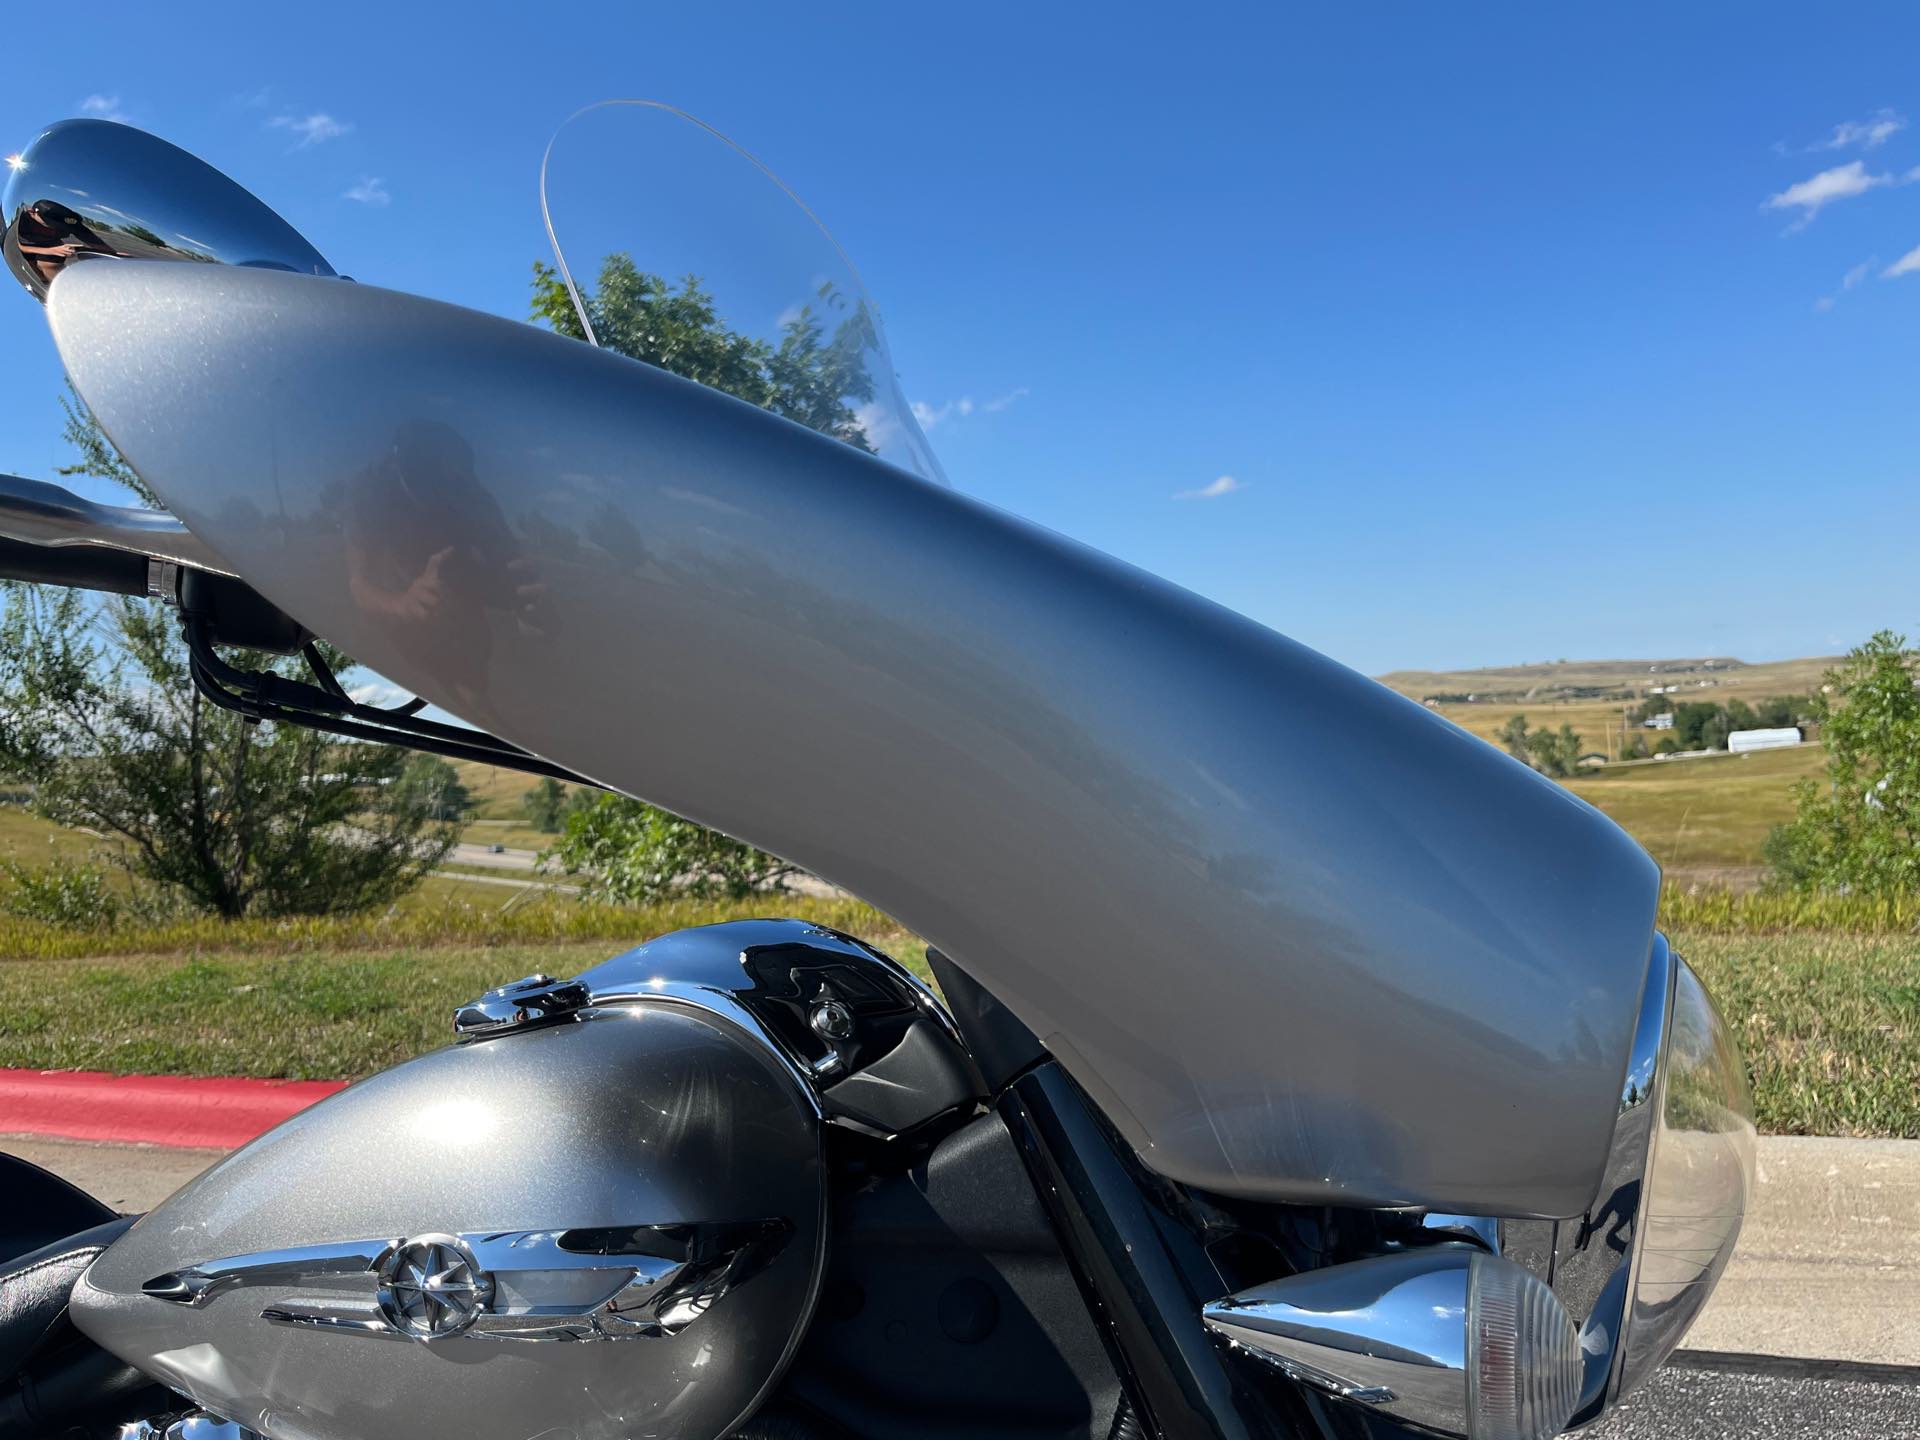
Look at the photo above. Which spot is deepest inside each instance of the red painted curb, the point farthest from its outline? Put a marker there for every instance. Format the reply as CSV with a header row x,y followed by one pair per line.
x,y
186,1111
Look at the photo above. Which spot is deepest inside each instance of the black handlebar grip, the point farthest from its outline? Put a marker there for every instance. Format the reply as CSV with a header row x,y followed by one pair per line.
x,y
80,567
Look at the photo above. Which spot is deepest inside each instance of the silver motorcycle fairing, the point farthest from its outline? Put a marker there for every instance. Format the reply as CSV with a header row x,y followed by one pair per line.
x,y
1299,938
623,1216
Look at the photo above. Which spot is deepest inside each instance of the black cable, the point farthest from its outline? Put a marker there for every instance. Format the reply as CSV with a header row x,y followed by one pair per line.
x,y
262,695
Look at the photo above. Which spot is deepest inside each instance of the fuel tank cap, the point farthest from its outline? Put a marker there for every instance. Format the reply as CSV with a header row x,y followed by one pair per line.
x,y
531,1000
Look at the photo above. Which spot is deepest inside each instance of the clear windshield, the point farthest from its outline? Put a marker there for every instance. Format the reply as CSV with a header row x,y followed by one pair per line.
x,y
676,247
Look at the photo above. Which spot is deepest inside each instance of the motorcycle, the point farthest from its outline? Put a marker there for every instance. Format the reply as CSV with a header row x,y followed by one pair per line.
x,y
1300,1065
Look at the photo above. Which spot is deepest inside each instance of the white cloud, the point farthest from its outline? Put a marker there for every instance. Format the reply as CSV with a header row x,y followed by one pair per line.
x,y
878,421
311,129
103,107
1847,281
383,693
1868,134
1816,192
1907,264
371,190
1225,485
931,415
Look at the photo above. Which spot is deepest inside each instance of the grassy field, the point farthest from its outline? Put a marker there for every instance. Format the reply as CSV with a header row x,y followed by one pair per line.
x,y
1704,820
1724,677
497,817
1830,1022
26,838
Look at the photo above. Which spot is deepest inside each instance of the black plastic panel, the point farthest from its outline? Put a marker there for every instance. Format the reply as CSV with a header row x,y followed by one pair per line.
x,y
949,1313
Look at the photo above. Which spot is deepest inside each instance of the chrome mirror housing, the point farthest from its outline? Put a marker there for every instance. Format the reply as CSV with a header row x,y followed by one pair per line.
x,y
93,187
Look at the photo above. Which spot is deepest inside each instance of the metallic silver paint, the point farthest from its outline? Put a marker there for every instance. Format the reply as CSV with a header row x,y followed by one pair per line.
x,y
646,1111
1298,937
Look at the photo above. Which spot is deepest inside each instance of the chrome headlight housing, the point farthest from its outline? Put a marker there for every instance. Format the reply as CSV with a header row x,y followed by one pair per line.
x,y
1637,1268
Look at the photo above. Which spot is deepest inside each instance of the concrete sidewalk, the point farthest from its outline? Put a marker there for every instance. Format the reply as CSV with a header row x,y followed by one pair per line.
x,y
127,1177
1829,1261
1828,1266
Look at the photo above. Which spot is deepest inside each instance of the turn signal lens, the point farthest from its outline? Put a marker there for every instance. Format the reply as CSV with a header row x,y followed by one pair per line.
x,y
1523,1357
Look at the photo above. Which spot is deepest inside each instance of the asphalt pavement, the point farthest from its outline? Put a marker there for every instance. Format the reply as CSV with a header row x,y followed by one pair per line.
x,y
1777,1402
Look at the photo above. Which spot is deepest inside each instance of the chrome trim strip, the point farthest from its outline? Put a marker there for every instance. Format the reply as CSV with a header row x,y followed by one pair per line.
x,y
1596,1256
653,1280
39,513
200,1283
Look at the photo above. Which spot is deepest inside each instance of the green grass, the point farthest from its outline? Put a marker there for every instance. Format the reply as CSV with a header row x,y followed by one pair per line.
x,y
497,793
444,914
1829,1023
513,834
27,838
1703,818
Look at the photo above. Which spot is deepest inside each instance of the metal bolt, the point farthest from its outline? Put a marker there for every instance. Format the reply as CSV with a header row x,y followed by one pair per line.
x,y
831,1020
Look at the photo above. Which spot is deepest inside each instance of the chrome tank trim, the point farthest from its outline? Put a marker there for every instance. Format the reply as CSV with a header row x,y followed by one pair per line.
x,y
1251,900
653,1280
193,1425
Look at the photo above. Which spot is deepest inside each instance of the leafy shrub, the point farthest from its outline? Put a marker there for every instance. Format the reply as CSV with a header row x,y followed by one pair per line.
x,y
72,896
631,853
1858,831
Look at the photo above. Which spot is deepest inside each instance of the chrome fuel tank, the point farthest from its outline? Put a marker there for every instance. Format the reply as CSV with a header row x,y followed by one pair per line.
x,y
1299,938
607,1226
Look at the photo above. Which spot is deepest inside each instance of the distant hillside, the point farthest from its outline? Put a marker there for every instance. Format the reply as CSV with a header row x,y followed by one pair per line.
x,y
1612,679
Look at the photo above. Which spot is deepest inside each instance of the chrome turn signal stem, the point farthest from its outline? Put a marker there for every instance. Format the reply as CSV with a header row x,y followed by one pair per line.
x,y
1447,1338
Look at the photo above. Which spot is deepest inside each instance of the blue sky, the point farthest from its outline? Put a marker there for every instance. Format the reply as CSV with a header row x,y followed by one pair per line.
x,y
1520,331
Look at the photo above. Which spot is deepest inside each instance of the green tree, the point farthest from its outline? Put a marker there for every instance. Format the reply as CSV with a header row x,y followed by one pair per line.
x,y
1715,729
98,713
1782,710
432,785
633,853
1860,831
1551,752
1690,722
808,377
544,805
1518,741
